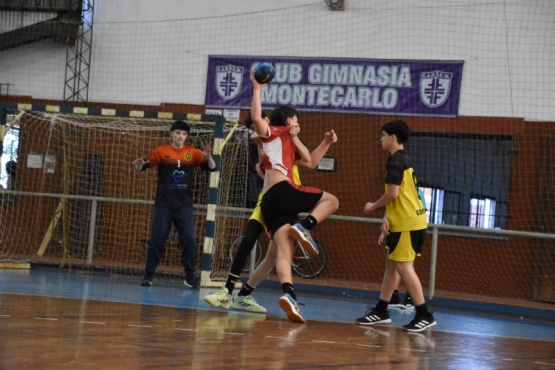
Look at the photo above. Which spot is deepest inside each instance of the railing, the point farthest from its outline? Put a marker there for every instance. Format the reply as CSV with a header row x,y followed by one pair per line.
x,y
435,230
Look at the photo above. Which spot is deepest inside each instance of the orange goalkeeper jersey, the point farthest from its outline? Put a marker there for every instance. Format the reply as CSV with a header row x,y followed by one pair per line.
x,y
175,174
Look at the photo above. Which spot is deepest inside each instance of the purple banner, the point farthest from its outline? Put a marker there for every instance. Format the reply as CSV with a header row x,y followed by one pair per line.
x,y
373,86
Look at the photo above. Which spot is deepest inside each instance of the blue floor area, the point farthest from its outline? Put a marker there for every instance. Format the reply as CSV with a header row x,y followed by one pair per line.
x,y
322,307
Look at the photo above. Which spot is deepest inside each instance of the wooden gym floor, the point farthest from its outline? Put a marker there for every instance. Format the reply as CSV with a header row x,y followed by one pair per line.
x,y
53,319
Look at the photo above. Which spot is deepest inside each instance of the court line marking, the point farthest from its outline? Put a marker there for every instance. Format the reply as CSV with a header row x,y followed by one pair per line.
x,y
268,336
186,329
93,322
5,316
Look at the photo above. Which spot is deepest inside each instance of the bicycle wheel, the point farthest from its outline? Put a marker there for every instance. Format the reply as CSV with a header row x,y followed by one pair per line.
x,y
306,265
257,247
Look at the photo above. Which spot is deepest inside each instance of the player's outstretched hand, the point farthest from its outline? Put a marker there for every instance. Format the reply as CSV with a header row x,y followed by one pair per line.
x,y
206,148
139,163
330,137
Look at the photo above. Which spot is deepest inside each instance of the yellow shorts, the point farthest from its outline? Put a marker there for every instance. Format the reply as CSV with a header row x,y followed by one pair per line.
x,y
404,246
257,213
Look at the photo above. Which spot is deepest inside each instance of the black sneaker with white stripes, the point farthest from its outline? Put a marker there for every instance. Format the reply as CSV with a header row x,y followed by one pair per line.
x,y
374,317
420,323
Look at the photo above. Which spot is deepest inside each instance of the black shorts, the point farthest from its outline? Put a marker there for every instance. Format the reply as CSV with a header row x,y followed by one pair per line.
x,y
284,201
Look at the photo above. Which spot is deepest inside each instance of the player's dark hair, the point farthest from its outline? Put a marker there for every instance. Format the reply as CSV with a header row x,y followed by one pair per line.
x,y
398,128
180,125
281,113
248,119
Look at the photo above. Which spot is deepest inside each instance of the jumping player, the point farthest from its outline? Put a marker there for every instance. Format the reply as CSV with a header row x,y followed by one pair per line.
x,y
278,159
255,226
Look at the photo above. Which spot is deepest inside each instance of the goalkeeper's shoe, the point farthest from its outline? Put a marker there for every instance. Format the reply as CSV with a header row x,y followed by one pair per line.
x,y
146,282
191,282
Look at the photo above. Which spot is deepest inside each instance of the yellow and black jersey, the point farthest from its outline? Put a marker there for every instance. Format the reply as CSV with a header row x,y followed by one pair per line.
x,y
406,212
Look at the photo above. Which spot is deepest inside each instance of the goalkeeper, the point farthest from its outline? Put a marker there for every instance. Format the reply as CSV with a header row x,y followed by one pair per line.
x,y
174,199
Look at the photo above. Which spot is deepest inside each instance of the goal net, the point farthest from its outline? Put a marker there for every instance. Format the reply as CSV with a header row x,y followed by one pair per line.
x,y
78,202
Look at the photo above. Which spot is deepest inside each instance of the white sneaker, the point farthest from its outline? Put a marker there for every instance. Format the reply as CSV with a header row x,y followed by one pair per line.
x,y
221,298
247,303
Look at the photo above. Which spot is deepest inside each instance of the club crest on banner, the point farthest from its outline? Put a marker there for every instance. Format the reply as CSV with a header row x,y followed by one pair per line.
x,y
228,81
435,87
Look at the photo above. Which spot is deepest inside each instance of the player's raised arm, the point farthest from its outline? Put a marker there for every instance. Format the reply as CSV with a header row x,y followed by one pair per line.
x,y
141,164
317,154
207,153
260,124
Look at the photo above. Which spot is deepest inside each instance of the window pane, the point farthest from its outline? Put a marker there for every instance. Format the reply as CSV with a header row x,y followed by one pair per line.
x,y
9,154
434,204
482,213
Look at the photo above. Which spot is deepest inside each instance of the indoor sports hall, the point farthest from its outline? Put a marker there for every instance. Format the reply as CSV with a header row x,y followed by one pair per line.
x,y
87,87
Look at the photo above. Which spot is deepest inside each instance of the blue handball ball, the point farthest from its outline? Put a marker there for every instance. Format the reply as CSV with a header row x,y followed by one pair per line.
x,y
264,72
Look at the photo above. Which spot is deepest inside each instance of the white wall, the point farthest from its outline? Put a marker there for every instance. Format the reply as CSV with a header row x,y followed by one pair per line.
x,y
149,52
